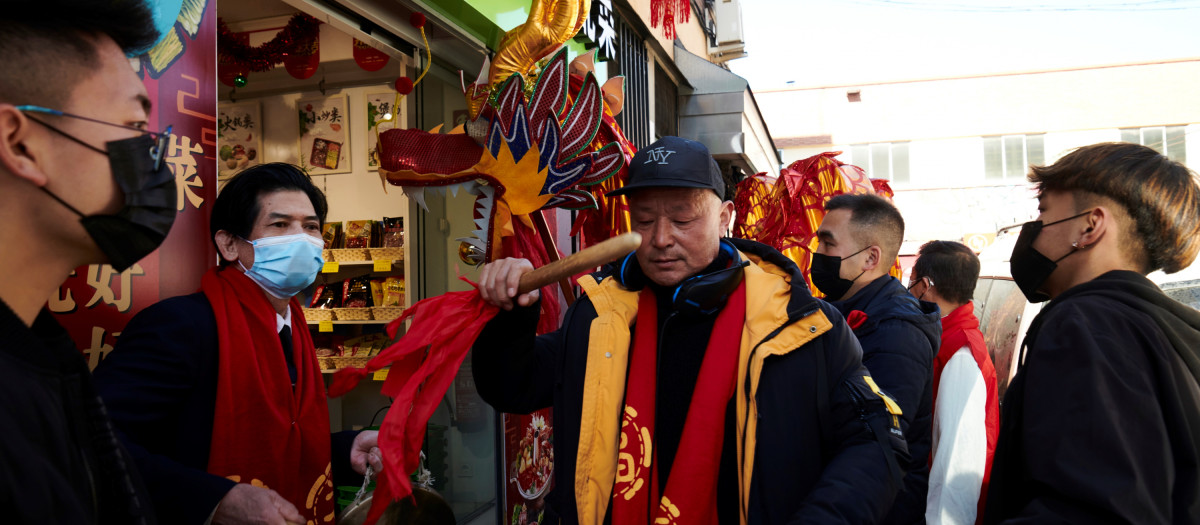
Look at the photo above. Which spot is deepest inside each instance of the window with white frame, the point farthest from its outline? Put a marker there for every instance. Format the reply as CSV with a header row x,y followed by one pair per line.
x,y
1008,157
882,160
1167,140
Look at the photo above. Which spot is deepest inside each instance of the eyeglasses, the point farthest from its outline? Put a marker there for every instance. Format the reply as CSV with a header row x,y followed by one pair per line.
x,y
913,284
157,151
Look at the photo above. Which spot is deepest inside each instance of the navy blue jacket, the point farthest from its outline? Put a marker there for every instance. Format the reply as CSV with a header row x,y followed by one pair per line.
x,y
160,386
818,459
899,340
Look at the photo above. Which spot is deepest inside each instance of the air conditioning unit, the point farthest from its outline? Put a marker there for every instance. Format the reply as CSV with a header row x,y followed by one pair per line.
x,y
728,15
727,22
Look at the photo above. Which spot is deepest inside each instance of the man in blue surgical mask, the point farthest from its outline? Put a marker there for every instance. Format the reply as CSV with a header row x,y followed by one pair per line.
x,y
219,392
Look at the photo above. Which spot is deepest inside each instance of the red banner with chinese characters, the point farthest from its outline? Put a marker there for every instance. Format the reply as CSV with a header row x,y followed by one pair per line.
x,y
95,302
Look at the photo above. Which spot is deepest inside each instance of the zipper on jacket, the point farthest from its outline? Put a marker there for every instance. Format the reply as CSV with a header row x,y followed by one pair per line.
x,y
792,319
76,416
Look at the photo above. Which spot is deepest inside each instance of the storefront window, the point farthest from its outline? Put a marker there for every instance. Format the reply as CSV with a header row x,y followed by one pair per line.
x,y
460,440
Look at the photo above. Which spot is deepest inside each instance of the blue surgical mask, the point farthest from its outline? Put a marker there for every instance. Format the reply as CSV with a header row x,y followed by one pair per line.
x,y
285,265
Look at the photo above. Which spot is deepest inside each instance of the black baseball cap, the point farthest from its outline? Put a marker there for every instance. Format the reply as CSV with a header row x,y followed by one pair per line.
x,y
673,162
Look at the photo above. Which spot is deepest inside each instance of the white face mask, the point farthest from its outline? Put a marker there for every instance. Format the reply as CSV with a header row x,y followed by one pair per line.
x,y
285,265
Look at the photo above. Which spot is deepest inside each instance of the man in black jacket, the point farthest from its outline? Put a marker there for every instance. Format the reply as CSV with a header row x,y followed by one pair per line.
x,y
858,242
1101,424
692,381
78,185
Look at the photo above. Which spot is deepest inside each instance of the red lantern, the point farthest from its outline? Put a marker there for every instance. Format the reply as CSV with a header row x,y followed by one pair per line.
x,y
302,62
417,20
369,58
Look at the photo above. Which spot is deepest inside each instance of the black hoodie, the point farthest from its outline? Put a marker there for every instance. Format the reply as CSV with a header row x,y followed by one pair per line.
x,y
1102,422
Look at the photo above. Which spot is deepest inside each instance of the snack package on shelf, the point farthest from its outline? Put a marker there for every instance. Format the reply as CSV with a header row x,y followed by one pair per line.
x,y
327,296
356,293
377,292
376,234
393,232
358,234
364,345
393,291
377,345
327,345
332,234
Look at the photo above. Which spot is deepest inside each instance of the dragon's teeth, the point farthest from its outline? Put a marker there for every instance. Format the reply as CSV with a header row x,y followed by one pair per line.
x,y
419,196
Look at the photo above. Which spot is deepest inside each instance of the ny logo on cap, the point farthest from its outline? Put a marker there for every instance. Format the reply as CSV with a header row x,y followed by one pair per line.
x,y
658,154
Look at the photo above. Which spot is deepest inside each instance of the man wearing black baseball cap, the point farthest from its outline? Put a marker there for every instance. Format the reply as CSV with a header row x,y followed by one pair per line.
x,y
691,382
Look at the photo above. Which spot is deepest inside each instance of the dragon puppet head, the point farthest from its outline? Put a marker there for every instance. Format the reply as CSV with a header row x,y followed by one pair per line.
x,y
536,154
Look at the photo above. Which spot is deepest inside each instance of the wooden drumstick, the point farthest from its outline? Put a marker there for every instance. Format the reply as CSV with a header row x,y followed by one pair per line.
x,y
585,259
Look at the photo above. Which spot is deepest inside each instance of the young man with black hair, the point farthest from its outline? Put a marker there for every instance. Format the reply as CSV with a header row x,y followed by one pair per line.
x,y
81,182
1102,421
691,383
219,392
857,244
966,411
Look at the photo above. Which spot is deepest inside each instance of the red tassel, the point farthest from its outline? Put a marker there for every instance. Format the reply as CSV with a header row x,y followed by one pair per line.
x,y
345,380
668,11
423,365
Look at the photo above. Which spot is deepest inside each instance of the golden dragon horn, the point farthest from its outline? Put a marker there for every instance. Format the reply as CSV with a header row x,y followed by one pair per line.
x,y
550,24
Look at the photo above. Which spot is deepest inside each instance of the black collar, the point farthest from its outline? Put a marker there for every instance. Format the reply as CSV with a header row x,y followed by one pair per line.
x,y
44,345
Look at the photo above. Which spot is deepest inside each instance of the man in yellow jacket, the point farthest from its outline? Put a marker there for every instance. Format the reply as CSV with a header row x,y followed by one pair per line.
x,y
692,383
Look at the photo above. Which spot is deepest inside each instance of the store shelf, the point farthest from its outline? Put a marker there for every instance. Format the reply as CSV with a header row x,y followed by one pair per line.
x,y
395,262
362,267
378,375
315,323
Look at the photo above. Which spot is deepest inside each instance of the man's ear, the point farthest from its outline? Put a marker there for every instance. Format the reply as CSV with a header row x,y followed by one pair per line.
x,y
18,152
226,245
1096,224
874,256
726,217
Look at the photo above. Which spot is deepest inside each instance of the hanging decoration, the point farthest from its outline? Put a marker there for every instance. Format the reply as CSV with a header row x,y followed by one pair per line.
x,y
405,85
299,36
785,212
228,72
302,61
369,58
668,11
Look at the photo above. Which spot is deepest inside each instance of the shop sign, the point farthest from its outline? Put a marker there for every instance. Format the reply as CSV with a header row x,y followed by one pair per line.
x,y
601,28
96,302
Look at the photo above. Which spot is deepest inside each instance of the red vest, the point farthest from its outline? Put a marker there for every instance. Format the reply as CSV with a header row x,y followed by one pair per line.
x,y
959,329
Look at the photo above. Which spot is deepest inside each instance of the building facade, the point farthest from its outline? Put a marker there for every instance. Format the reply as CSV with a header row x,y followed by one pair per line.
x,y
956,150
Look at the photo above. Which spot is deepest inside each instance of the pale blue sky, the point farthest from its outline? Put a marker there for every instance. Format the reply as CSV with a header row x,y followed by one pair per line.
x,y
834,42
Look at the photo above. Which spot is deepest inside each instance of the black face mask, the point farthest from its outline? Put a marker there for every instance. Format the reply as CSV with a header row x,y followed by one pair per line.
x,y
142,223
827,275
1028,266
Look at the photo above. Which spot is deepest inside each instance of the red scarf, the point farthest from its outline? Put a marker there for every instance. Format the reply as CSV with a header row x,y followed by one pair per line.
x,y
264,432
691,492
961,328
